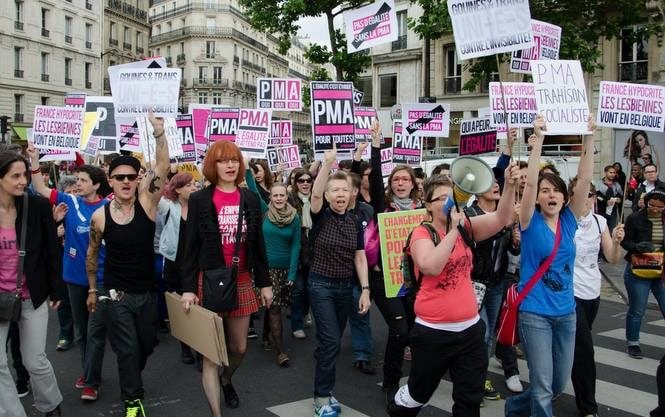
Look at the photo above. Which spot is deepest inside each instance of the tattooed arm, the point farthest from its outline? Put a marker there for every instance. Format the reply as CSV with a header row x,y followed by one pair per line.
x,y
96,232
150,195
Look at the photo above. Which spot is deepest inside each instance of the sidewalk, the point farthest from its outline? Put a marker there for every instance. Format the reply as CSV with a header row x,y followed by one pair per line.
x,y
613,274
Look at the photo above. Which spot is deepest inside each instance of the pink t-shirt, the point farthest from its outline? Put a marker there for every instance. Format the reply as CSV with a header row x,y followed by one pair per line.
x,y
448,297
226,205
9,264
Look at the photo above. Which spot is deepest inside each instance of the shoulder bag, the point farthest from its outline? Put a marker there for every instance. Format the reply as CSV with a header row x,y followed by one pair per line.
x,y
10,302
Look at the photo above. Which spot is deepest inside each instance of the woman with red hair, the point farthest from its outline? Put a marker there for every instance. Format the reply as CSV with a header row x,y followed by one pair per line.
x,y
210,243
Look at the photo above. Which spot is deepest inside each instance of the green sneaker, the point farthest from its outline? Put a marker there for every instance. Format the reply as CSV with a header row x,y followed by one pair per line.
x,y
134,408
490,392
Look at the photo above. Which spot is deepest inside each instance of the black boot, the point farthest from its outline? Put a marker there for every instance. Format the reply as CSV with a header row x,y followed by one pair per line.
x,y
395,410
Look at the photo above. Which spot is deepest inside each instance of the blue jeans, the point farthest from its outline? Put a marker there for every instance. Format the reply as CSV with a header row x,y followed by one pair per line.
x,y
331,304
548,343
300,301
490,312
638,296
361,332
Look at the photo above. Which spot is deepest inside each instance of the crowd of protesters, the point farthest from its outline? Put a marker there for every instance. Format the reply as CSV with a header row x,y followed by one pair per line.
x,y
104,244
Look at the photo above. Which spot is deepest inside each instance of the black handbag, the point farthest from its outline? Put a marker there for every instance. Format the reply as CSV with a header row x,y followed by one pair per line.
x,y
220,290
10,302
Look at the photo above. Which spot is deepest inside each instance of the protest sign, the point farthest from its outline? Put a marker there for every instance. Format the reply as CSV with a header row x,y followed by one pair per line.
x,y
332,118
476,136
89,144
561,96
631,106
281,133
104,132
501,129
76,100
394,228
520,101
136,92
546,42
253,132
223,123
406,148
185,126
282,94
149,144
284,158
57,128
192,169
370,25
357,97
200,118
114,70
130,136
387,164
484,28
364,117
426,119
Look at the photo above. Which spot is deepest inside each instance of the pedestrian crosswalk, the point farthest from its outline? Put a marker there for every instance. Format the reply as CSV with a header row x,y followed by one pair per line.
x,y
616,397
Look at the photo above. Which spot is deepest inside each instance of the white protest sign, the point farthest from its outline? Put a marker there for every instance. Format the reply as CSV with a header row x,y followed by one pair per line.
x,y
484,28
185,125
546,43
253,131
136,92
58,128
370,25
631,106
561,96
332,118
281,133
364,117
426,119
283,158
406,148
149,144
282,94
520,104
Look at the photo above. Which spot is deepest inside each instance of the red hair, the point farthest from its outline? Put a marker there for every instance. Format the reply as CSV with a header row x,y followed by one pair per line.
x,y
222,150
179,180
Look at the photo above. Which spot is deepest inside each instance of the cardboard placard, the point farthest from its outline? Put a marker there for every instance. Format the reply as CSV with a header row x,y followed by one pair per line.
x,y
363,117
223,123
332,118
89,144
476,136
136,92
105,128
407,149
631,106
279,94
370,25
253,132
281,133
57,128
200,329
394,228
284,158
546,43
561,96
200,118
149,143
76,100
484,28
185,125
426,119
520,104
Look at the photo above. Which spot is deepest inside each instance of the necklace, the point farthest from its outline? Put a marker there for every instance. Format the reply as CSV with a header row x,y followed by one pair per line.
x,y
124,218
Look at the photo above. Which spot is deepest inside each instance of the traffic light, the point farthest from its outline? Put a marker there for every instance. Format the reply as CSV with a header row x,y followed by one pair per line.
x,y
3,124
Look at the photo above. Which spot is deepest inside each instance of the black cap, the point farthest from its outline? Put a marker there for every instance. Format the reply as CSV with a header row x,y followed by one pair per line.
x,y
124,160
657,194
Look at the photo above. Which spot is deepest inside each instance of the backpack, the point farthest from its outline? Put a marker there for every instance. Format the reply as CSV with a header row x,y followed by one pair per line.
x,y
411,281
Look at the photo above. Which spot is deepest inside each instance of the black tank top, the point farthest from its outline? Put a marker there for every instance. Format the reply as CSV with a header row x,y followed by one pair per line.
x,y
130,261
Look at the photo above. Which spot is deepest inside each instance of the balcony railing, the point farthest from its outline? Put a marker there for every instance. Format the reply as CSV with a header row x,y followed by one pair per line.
x,y
113,42
220,82
168,60
236,59
452,85
238,85
127,46
88,85
18,117
193,7
88,44
18,73
128,10
18,25
181,58
45,77
205,82
88,5
139,49
68,81
400,43
250,88
205,31
633,71
68,39
45,32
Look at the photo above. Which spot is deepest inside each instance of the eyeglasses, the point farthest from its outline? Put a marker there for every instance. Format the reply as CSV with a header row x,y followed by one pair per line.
x,y
401,179
228,161
123,177
304,180
654,207
650,172
443,197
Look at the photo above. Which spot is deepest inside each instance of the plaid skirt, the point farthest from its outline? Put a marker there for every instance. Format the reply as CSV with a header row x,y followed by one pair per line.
x,y
248,302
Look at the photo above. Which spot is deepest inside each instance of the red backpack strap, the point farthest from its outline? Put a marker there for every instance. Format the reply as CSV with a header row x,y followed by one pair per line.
x,y
543,267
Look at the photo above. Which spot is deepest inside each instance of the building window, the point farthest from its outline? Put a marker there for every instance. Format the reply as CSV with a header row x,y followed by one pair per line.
x,y
18,21
203,98
18,106
210,49
45,59
88,35
217,98
45,31
182,48
203,74
44,100
139,40
68,29
217,74
634,56
125,35
485,83
68,71
88,72
365,85
400,43
452,81
112,33
210,22
388,90
18,61
169,26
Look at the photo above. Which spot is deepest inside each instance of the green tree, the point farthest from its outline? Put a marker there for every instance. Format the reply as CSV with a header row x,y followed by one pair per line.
x,y
583,24
280,18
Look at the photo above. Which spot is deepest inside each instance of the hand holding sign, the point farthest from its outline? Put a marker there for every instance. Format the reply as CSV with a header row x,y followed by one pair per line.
x,y
330,156
591,124
539,126
376,133
157,124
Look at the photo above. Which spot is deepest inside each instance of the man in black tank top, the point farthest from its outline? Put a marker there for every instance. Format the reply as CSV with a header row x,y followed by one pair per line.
x,y
127,226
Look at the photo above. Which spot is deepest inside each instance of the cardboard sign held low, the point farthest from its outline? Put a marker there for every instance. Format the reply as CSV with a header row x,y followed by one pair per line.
x,y
201,329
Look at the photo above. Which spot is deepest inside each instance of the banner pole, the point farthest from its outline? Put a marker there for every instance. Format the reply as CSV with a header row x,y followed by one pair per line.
x,y
625,184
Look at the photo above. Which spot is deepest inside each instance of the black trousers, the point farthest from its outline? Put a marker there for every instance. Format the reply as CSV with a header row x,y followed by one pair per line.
x,y
584,364
660,382
463,353
399,316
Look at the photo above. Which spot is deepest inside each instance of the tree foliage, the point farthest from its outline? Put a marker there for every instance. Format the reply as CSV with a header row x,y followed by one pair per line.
x,y
583,24
280,18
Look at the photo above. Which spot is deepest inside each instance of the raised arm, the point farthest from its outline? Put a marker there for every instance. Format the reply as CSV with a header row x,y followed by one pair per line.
x,y
376,191
37,182
528,203
431,259
584,173
251,185
150,195
91,260
489,224
319,187
612,244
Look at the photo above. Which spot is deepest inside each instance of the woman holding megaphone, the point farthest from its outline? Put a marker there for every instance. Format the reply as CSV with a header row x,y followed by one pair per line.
x,y
546,324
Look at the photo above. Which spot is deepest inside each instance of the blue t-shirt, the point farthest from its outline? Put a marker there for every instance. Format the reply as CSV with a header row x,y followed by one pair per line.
x,y
553,293
77,237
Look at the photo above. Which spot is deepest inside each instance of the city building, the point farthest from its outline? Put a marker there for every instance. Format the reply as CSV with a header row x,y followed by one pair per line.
x,y
50,48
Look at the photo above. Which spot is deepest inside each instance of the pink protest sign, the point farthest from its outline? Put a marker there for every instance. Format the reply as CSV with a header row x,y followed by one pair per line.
x,y
364,117
281,133
631,106
253,131
332,117
223,123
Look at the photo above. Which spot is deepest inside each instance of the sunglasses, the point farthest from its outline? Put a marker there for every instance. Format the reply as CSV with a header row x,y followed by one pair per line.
x,y
303,180
122,177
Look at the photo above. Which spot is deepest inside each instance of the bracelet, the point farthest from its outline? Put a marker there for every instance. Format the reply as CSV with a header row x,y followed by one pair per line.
x,y
365,287
35,171
156,135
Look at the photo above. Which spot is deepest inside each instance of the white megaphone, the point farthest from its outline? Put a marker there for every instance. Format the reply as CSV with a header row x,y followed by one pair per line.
x,y
470,175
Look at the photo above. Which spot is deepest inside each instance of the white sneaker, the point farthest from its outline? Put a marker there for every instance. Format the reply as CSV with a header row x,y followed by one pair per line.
x,y
299,334
514,384
308,321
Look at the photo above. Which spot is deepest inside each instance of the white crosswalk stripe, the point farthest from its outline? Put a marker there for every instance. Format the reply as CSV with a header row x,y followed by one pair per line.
x,y
305,408
645,338
660,323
